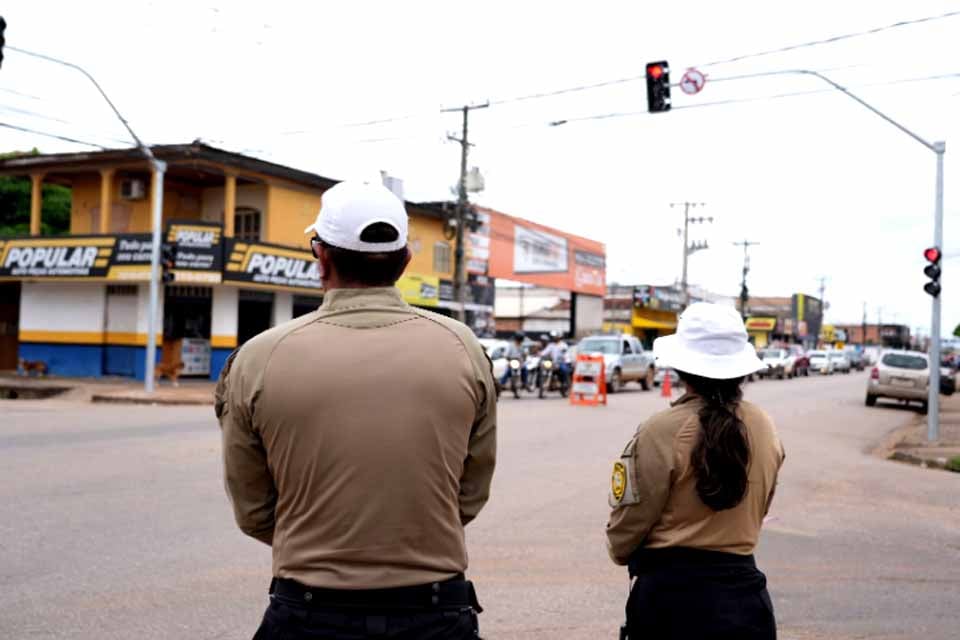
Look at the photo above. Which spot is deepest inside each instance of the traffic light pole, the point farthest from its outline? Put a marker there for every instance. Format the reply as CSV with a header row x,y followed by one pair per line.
x,y
939,148
933,403
159,167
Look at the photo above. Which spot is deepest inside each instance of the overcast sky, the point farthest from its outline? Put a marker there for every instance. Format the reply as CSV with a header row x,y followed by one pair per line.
x,y
825,187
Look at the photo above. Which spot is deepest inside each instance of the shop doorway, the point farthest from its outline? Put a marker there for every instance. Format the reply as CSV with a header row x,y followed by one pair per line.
x,y
9,324
254,314
186,328
303,305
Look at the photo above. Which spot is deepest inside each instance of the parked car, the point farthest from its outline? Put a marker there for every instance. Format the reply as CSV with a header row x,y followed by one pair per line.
x,y
779,363
659,376
842,362
624,359
903,375
821,362
857,359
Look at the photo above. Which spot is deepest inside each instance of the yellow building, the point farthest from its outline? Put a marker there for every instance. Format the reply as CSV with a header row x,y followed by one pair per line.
x,y
79,302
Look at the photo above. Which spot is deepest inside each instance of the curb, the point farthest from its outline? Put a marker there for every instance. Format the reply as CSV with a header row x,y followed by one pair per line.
x,y
927,463
110,399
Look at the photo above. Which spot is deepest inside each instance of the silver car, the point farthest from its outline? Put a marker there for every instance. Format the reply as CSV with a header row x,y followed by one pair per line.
x,y
902,375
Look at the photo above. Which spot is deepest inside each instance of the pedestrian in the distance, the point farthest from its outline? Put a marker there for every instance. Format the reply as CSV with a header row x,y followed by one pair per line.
x,y
691,490
359,440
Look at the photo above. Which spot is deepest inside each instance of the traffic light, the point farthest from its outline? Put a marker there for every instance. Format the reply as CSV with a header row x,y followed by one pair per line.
x,y
932,271
3,40
658,86
167,261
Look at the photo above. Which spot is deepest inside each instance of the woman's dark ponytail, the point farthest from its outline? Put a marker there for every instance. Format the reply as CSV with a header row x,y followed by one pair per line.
x,y
721,457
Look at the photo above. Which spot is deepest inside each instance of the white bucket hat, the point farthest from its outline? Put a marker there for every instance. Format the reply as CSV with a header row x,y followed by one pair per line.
x,y
710,342
348,208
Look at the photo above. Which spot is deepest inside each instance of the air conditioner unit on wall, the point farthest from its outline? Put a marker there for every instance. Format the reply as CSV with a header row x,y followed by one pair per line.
x,y
133,189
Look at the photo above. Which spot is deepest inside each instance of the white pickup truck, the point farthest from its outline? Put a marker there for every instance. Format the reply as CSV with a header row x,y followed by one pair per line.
x,y
624,359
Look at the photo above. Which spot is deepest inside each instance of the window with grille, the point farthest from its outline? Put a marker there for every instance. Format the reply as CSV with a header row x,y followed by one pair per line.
x,y
441,257
246,224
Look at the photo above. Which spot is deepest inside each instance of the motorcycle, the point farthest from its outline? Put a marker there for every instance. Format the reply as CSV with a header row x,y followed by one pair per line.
x,y
513,382
549,378
532,365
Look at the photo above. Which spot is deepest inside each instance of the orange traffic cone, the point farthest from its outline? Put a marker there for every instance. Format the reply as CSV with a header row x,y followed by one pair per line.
x,y
666,387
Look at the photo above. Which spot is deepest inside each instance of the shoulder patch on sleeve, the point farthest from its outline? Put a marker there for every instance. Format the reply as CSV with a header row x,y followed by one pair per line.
x,y
622,489
220,395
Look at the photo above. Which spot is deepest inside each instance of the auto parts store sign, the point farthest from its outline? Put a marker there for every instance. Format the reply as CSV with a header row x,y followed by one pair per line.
x,y
270,265
124,257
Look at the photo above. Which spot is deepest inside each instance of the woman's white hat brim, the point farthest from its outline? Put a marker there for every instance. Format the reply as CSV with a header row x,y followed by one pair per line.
x,y
672,352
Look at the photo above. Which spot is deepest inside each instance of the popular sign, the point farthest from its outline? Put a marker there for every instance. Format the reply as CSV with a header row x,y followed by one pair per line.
x,y
125,257
198,255
268,264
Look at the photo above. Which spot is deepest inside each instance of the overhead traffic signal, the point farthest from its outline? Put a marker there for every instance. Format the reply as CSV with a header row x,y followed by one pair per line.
x,y
658,86
167,261
932,271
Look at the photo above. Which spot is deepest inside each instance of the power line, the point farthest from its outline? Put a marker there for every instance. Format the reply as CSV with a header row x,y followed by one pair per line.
x,y
627,79
624,114
52,135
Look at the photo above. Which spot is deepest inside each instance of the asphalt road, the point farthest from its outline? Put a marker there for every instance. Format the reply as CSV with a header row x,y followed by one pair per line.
x,y
114,524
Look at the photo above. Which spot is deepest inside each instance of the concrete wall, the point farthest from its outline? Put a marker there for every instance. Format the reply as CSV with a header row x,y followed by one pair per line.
x,y
62,324
253,196
282,307
589,314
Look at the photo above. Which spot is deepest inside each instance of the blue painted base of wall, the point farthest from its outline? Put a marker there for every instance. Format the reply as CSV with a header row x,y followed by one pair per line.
x,y
218,358
72,360
88,361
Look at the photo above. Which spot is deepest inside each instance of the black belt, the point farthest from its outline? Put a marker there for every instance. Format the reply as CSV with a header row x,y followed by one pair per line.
x,y
454,592
646,559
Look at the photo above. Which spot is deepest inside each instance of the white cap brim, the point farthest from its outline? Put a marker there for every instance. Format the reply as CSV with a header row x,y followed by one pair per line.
x,y
672,352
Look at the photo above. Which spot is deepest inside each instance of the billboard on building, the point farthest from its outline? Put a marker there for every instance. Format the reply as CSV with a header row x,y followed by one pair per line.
x,y
122,257
259,263
527,252
197,251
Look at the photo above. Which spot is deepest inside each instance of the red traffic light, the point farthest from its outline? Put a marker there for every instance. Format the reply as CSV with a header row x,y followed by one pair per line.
x,y
655,71
932,254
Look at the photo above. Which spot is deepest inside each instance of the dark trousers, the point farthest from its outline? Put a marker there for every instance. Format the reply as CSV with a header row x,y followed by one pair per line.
x,y
438,611
684,593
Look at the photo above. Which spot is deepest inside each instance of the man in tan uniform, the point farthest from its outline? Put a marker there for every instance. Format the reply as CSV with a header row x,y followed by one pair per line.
x,y
358,440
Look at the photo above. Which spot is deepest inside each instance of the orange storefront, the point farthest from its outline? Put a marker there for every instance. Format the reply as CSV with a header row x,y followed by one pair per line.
x,y
535,254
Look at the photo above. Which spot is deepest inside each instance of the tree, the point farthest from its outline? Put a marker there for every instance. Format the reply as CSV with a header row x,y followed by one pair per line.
x,y
15,205
956,331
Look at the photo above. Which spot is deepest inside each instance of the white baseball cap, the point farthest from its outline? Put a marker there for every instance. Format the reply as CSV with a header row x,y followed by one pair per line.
x,y
710,342
350,207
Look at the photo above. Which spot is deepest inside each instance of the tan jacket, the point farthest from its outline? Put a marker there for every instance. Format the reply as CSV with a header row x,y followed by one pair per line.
x,y
653,488
358,440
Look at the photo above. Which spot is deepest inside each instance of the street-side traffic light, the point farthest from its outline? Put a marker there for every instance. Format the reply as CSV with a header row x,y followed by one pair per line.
x,y
3,39
658,86
932,271
167,261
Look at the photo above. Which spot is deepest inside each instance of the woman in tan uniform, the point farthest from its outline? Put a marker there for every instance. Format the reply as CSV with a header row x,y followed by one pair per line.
x,y
691,489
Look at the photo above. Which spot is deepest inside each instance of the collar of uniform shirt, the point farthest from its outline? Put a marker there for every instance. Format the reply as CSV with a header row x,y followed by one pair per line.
x,y
689,396
339,299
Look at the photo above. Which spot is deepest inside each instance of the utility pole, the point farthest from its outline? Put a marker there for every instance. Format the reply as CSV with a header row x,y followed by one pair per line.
x,y
744,294
823,303
689,248
880,326
159,167
460,271
864,340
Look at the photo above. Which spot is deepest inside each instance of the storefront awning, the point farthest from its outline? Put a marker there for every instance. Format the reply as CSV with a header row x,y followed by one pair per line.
x,y
640,322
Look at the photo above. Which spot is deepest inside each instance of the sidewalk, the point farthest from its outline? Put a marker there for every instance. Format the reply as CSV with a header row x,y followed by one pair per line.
x,y
116,390
909,443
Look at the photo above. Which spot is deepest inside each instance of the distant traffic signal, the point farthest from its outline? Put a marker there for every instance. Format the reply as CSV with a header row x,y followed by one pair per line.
x,y
3,40
932,271
167,261
658,86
